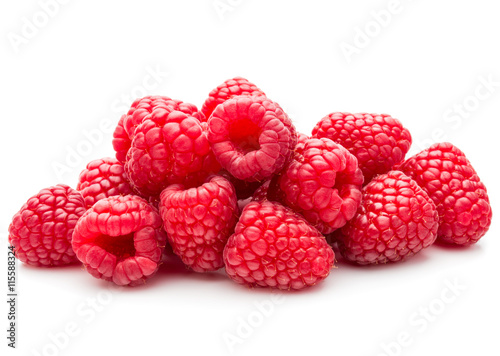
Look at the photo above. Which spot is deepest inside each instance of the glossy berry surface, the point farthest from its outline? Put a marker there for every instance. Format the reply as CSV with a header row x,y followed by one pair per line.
x,y
102,178
274,247
120,239
199,221
378,141
322,183
42,230
251,137
395,220
462,202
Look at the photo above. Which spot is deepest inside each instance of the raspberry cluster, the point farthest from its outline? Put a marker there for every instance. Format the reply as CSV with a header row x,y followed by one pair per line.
x,y
235,186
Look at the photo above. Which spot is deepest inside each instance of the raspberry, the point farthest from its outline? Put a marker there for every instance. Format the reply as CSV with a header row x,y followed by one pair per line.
x,y
227,90
41,231
121,140
378,141
251,137
199,221
120,239
274,247
102,178
462,202
323,183
142,107
395,220
169,147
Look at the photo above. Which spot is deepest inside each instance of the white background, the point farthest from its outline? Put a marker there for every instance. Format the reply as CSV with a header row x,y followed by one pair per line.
x,y
83,64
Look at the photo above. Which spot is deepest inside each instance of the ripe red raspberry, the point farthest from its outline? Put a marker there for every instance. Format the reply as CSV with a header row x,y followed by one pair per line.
x,y
142,107
251,137
323,183
121,140
102,178
378,141
274,247
395,220
227,90
41,231
199,221
120,239
169,147
462,202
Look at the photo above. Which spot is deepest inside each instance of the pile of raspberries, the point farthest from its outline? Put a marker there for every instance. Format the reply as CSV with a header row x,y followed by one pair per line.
x,y
235,186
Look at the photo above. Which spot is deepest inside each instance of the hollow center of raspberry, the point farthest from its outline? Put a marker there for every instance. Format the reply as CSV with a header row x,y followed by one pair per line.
x,y
340,180
244,134
120,246
343,184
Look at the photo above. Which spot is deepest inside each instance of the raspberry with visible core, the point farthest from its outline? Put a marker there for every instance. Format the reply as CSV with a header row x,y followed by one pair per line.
x,y
120,239
251,137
